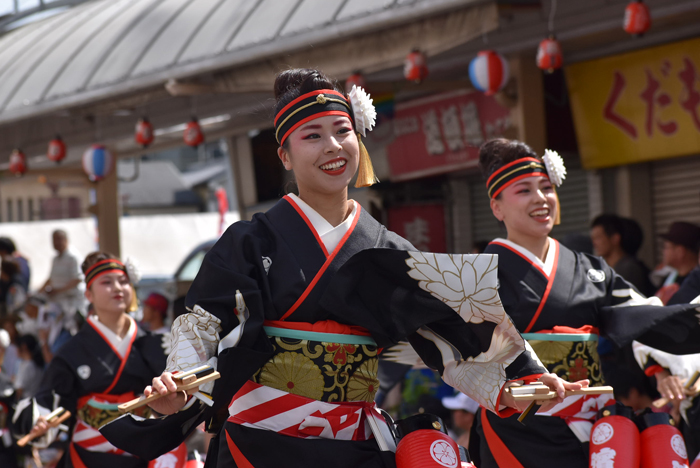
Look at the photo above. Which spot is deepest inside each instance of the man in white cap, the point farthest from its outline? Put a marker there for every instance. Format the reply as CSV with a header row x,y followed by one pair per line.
x,y
463,411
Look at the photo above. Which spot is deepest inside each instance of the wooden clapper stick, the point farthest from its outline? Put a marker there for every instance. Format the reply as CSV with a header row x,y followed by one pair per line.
x,y
53,419
538,393
185,380
691,385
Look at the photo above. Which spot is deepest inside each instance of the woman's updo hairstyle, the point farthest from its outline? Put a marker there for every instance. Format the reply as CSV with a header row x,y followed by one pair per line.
x,y
93,258
290,84
498,152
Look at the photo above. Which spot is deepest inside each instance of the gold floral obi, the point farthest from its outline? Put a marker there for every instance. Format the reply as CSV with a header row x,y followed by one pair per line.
x,y
96,411
322,366
569,355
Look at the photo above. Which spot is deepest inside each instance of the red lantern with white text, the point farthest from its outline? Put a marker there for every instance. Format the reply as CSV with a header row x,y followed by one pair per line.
x,y
549,56
637,18
144,132
57,150
18,162
356,79
415,66
193,135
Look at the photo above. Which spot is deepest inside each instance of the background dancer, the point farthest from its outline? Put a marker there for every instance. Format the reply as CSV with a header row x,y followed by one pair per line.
x,y
560,300
108,362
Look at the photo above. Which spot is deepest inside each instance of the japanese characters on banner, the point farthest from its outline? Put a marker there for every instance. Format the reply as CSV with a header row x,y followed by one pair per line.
x,y
640,106
442,133
423,225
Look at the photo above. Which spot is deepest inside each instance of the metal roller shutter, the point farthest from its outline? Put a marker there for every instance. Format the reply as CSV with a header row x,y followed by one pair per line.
x,y
675,186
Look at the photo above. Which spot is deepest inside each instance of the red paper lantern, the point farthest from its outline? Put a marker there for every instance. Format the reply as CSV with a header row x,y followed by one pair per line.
x,y
637,18
356,79
549,56
415,67
18,162
193,135
57,150
144,132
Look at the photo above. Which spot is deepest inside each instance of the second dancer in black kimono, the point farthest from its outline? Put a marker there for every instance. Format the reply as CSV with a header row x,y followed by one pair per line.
x,y
561,301
106,363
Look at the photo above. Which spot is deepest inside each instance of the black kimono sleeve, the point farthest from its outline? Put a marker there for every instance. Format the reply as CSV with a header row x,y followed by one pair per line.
x,y
628,316
447,306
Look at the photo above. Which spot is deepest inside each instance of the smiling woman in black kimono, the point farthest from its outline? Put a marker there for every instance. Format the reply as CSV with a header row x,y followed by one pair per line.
x,y
293,306
560,301
106,363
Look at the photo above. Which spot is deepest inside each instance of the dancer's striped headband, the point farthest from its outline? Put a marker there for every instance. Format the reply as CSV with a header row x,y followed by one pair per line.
x,y
308,107
513,172
110,265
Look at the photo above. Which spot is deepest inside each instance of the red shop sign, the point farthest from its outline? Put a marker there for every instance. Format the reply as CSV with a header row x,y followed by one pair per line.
x,y
442,133
422,225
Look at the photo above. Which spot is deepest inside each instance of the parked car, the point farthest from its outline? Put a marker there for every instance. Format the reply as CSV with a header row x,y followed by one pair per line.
x,y
175,286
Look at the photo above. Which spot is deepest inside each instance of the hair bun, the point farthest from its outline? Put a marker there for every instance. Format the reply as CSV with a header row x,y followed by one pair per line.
x,y
292,83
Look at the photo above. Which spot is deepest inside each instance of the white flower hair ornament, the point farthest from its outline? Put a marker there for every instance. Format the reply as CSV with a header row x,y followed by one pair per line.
x,y
363,109
132,271
555,167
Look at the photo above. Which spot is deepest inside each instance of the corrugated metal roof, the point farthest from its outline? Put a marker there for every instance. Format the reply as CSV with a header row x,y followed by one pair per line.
x,y
105,48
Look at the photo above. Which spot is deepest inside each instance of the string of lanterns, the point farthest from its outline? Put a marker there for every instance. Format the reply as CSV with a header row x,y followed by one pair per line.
x,y
488,72
98,162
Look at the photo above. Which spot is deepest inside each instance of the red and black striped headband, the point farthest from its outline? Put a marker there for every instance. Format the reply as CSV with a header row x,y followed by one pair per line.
x,y
110,265
513,172
308,107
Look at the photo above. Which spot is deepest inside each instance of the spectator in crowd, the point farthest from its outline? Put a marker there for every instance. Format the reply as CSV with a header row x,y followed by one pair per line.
x,y
463,412
681,244
31,366
15,293
8,249
11,358
64,285
618,240
155,310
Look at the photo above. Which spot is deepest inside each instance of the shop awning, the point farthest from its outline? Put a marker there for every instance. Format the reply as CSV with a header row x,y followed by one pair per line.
x,y
109,48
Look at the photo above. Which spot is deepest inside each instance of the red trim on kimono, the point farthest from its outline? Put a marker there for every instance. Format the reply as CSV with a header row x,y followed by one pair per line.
x,y
123,360
545,296
322,326
238,457
534,265
326,264
504,458
74,457
308,223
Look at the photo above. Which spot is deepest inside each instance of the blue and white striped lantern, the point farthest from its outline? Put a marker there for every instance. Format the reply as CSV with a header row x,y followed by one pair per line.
x,y
489,72
97,162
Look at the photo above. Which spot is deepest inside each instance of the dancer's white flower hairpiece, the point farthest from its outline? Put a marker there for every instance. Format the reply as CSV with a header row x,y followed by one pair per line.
x,y
132,271
362,107
555,167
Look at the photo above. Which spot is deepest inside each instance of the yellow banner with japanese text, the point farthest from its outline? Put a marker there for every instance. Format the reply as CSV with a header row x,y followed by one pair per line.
x,y
639,106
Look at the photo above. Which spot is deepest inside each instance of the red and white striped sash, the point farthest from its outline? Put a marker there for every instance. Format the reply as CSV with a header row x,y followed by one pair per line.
x,y
274,410
90,439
